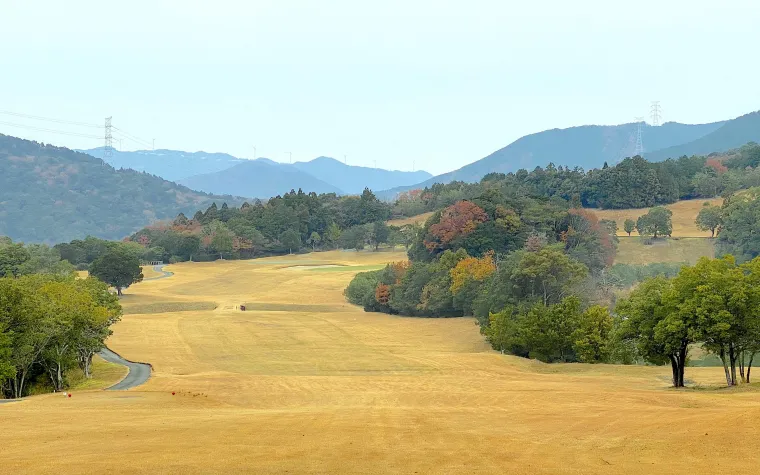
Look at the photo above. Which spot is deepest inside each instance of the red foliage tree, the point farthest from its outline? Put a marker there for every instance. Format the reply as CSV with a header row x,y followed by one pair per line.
x,y
458,220
716,165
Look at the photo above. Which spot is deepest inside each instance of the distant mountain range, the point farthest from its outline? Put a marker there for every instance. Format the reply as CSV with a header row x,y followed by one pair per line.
x,y
732,134
260,178
170,165
589,146
53,194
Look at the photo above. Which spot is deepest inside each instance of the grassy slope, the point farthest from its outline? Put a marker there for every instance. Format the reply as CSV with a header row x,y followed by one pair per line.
x,y
327,388
104,375
419,219
633,251
684,214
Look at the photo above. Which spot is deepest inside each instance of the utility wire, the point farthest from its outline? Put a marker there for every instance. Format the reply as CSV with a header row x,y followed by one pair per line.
x,y
126,135
40,129
59,121
142,144
133,138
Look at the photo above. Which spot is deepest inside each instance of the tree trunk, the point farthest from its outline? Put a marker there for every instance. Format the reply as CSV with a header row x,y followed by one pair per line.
x,y
725,365
749,365
732,357
18,384
118,291
674,368
741,366
88,367
682,365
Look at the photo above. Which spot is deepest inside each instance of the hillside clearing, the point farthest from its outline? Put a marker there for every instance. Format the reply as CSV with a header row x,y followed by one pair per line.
x,y
303,382
684,214
418,219
632,250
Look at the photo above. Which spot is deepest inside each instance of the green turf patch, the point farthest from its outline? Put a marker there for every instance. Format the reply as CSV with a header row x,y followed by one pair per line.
x,y
166,307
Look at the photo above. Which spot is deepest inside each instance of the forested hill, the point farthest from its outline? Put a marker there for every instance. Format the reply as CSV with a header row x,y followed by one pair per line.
x,y
588,146
732,134
53,194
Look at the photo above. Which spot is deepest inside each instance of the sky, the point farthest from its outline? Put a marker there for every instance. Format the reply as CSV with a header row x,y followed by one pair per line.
x,y
403,84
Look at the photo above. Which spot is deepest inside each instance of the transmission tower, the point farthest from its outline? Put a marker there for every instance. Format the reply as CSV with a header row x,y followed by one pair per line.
x,y
656,113
108,148
639,142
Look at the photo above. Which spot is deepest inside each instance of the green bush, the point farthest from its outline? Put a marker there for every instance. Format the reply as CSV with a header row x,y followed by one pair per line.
x,y
361,290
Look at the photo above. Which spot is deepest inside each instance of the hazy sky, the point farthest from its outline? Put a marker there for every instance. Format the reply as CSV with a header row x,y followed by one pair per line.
x,y
438,83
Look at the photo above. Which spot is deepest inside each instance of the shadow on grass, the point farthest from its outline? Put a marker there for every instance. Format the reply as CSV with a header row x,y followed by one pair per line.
x,y
167,307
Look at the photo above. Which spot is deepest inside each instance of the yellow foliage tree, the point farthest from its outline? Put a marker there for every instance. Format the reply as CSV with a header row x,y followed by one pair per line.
x,y
471,268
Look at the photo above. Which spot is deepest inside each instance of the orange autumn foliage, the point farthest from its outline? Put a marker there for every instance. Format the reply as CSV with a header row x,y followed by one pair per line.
x,y
399,269
471,268
382,294
458,220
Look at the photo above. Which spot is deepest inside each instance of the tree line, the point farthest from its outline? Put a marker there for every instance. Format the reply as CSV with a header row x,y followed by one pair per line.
x,y
52,321
50,325
538,276
506,258
632,183
282,225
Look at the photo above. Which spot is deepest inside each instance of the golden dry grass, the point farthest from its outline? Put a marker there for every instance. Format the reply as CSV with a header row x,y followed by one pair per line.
x,y
684,214
419,219
104,375
631,250
326,388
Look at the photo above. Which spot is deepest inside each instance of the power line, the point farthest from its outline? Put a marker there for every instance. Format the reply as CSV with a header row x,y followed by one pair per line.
x,y
133,138
124,137
656,113
58,121
41,129
108,148
639,142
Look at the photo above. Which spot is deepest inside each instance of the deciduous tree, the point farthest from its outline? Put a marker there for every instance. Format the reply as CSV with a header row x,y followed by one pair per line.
x,y
628,226
657,222
118,268
709,218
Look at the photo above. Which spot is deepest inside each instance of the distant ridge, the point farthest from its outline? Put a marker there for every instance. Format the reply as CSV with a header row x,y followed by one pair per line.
x,y
259,178
52,194
590,146
732,134
181,166
353,179
170,165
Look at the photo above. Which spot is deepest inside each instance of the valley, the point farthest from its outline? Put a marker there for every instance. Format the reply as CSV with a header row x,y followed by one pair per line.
x,y
326,387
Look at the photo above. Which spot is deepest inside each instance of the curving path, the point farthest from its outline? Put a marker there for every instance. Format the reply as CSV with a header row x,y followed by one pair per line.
x,y
138,374
160,268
